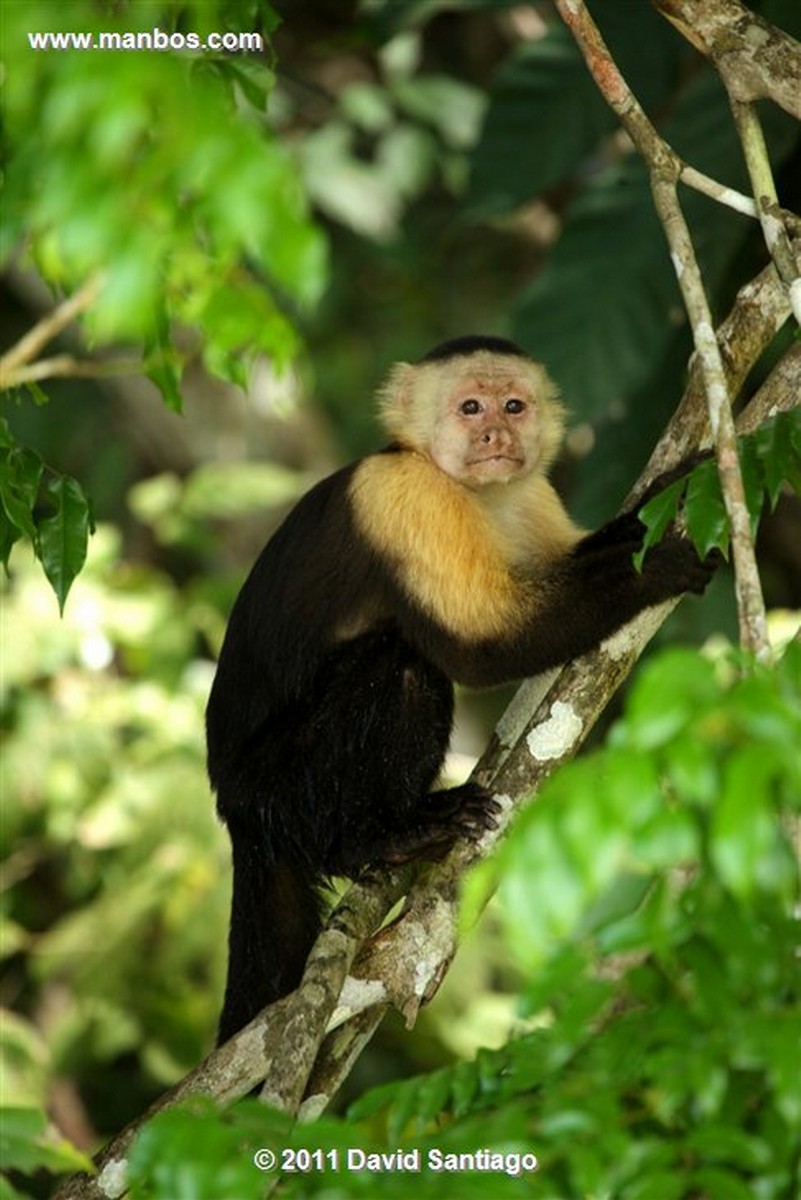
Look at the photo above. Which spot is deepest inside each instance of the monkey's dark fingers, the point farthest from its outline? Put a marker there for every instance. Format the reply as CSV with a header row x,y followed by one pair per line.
x,y
706,568
467,796
416,845
443,817
676,560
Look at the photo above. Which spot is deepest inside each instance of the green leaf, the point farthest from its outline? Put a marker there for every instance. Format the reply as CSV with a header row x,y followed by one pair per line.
x,y
753,478
778,447
63,537
667,698
20,476
656,515
744,843
26,1145
705,512
194,1151
163,363
670,839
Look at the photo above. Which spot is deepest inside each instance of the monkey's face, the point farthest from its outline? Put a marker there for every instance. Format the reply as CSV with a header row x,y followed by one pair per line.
x,y
483,417
488,426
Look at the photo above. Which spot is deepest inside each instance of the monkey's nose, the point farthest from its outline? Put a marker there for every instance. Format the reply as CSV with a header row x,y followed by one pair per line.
x,y
494,437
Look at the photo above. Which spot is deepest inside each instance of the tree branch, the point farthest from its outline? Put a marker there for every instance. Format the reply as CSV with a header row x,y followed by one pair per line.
x,y
754,58
774,230
718,191
664,170
63,366
45,330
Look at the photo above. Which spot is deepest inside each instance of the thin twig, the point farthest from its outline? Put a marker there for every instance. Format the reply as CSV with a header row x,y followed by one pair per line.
x,y
27,348
755,151
728,196
65,366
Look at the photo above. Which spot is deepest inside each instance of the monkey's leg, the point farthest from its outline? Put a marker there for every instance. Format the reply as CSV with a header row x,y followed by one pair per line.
x,y
398,710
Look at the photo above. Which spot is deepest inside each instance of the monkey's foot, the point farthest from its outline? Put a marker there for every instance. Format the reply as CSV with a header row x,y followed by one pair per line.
x,y
440,820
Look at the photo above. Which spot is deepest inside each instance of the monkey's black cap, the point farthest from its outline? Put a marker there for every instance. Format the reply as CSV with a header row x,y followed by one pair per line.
x,y
471,343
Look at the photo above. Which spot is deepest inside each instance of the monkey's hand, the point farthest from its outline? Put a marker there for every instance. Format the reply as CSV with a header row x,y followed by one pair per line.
x,y
440,820
605,561
673,566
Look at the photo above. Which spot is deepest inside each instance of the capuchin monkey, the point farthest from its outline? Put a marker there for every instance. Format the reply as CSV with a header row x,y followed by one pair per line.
x,y
447,557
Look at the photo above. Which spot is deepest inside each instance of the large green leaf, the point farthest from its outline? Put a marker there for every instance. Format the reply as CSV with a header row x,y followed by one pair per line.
x,y
546,114
63,537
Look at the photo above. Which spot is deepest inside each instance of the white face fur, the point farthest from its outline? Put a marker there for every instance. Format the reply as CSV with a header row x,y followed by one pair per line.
x,y
483,418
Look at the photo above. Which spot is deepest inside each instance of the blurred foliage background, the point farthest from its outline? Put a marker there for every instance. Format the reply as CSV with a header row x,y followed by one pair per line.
x,y
380,177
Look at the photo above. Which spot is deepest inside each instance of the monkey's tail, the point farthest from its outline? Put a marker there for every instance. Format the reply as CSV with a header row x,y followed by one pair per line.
x,y
275,919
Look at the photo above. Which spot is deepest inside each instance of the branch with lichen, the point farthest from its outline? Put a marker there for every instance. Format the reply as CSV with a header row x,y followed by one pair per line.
x,y
756,60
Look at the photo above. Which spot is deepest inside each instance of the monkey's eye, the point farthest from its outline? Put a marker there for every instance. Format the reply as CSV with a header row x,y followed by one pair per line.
x,y
470,407
514,405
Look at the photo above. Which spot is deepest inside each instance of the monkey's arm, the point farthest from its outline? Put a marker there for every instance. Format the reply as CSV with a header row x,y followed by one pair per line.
x,y
449,587
582,601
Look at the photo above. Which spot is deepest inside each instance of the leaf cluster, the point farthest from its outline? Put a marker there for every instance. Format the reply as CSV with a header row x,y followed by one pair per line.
x,y
648,896
160,172
109,839
28,1145
769,458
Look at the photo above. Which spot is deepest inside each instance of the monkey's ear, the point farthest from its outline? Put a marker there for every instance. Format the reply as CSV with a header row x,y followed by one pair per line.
x,y
396,400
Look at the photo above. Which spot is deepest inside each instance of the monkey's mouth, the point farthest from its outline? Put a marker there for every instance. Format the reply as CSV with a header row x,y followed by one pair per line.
x,y
495,459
